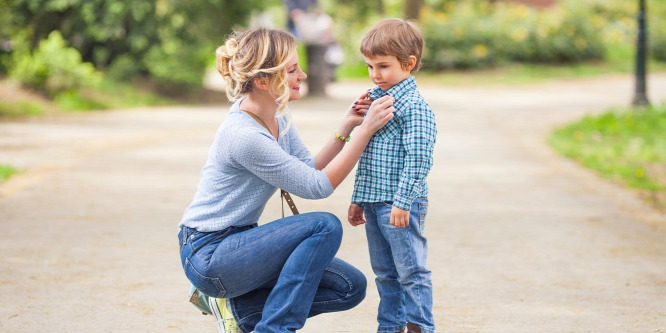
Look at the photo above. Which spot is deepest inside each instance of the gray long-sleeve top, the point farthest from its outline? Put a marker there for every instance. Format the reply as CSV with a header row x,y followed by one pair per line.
x,y
245,167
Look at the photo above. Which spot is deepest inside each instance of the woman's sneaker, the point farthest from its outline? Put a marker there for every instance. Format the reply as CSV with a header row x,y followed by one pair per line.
x,y
221,309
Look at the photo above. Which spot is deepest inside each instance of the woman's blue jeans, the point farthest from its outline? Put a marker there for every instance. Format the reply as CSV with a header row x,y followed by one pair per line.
x,y
398,258
276,275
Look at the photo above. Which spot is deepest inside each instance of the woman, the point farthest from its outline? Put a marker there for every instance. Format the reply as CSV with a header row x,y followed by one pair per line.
x,y
270,278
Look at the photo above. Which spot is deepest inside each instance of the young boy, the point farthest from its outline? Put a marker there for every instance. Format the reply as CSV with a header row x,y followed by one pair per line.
x,y
390,186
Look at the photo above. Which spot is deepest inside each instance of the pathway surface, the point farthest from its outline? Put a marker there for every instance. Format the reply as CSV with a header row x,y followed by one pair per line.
x,y
520,239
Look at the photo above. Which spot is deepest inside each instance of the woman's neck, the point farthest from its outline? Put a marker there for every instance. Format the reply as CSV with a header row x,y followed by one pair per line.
x,y
262,105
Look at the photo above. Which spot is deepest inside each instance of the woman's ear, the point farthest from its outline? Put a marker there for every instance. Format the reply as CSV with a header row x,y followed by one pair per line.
x,y
261,83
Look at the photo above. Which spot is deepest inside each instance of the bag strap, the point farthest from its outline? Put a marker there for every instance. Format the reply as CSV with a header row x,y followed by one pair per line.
x,y
283,194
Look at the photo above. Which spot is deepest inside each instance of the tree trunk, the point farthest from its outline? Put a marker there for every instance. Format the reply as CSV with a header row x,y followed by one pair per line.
x,y
380,7
318,70
413,9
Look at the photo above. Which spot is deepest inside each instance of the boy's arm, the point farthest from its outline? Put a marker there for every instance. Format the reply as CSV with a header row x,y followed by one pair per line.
x,y
418,139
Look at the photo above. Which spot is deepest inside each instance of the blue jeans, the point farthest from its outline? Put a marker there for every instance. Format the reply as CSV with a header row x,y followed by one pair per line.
x,y
276,275
398,258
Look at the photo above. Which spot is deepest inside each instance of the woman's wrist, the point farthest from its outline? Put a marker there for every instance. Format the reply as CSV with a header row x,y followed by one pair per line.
x,y
363,133
345,129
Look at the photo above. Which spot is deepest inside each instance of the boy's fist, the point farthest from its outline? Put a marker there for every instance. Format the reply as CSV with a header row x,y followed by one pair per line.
x,y
355,215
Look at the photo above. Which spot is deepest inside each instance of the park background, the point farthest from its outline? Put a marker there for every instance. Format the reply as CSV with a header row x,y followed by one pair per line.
x,y
75,55
66,60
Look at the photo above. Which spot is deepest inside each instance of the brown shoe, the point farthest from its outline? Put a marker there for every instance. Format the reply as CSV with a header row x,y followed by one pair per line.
x,y
413,328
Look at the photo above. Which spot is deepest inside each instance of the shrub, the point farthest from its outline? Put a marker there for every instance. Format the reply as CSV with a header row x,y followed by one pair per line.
x,y
475,35
53,67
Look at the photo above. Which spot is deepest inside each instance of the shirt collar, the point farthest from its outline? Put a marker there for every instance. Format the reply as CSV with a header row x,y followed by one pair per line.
x,y
396,91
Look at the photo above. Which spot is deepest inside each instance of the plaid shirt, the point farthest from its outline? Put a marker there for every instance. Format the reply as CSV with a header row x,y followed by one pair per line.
x,y
398,157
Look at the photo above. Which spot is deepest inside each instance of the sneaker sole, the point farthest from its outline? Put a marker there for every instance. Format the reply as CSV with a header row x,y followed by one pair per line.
x,y
217,313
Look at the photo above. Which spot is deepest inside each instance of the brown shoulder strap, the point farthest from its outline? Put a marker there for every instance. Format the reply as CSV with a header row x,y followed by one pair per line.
x,y
261,122
290,202
283,194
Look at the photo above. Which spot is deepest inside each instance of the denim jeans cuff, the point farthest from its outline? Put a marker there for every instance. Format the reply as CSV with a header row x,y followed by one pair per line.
x,y
390,329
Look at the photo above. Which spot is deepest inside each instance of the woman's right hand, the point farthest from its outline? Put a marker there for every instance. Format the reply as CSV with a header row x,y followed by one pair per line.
x,y
379,113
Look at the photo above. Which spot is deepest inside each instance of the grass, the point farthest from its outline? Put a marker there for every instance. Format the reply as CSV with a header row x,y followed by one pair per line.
x,y
627,146
108,95
619,60
20,108
6,171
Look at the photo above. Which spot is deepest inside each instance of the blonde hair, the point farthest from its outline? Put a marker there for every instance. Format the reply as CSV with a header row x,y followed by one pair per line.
x,y
257,53
394,37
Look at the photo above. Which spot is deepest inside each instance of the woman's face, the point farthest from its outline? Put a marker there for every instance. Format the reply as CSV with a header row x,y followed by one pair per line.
x,y
294,77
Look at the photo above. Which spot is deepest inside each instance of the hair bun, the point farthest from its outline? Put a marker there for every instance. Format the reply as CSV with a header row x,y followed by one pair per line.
x,y
229,49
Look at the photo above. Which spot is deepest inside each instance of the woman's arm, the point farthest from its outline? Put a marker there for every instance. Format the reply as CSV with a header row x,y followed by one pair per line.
x,y
379,113
353,117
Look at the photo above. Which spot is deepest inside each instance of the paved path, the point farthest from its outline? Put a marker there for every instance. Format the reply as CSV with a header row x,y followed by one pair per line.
x,y
521,240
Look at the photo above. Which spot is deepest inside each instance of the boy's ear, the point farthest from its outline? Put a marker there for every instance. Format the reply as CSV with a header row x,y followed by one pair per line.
x,y
261,83
411,63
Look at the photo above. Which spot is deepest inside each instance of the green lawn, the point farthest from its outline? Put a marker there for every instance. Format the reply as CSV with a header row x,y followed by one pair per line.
x,y
6,171
20,108
627,146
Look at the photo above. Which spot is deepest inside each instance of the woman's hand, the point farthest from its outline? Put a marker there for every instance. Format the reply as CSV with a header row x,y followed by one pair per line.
x,y
379,113
354,115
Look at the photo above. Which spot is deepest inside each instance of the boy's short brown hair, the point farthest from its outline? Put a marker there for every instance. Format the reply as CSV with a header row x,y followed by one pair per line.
x,y
394,37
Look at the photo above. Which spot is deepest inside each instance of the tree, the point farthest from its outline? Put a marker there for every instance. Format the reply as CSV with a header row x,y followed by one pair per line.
x,y
413,9
170,39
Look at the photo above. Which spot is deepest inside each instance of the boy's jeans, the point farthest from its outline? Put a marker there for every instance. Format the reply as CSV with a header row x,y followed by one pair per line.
x,y
398,258
277,274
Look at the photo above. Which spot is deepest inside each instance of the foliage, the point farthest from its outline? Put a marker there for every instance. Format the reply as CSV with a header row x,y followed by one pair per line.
x,y
53,67
462,34
628,146
618,19
473,35
166,39
6,171
657,39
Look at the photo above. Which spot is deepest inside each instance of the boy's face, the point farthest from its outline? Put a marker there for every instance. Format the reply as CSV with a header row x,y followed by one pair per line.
x,y
386,71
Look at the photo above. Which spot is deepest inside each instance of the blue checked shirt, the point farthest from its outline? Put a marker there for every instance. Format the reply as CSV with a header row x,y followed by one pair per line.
x,y
398,157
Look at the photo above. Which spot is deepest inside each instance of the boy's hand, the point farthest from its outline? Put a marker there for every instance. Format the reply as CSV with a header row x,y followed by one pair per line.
x,y
355,215
399,217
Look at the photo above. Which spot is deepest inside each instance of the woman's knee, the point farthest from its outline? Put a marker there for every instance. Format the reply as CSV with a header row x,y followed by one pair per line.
x,y
359,286
351,282
329,222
